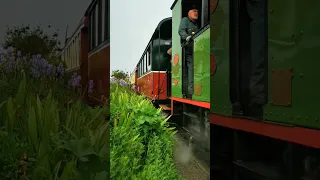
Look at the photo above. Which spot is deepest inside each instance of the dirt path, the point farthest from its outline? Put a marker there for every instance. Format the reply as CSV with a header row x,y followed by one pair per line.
x,y
187,164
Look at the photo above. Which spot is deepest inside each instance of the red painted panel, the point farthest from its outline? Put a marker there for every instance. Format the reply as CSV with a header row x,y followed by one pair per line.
x,y
144,85
192,102
84,62
149,85
297,135
99,72
160,81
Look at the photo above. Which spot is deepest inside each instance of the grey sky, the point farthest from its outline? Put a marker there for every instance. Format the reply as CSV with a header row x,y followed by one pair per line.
x,y
57,13
132,25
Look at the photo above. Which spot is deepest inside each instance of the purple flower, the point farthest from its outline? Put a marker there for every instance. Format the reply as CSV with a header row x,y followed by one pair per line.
x,y
113,81
123,82
35,73
2,59
11,65
90,86
75,81
49,70
19,54
38,56
60,69
10,50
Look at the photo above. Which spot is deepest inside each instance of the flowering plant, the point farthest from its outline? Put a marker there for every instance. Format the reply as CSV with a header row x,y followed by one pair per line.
x,y
51,138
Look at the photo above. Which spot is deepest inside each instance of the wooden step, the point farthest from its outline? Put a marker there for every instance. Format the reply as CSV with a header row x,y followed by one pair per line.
x,y
165,107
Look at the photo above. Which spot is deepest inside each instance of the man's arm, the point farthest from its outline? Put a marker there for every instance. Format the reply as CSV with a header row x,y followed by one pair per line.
x,y
182,29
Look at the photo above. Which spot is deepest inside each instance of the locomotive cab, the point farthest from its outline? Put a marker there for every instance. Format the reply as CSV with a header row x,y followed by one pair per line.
x,y
204,14
248,58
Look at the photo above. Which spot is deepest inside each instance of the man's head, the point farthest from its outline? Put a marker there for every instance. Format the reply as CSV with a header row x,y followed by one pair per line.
x,y
193,13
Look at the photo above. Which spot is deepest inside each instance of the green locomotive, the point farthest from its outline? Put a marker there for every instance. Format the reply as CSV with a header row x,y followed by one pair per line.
x,y
166,84
193,112
281,141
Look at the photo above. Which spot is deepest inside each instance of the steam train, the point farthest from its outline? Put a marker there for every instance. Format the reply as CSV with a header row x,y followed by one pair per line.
x,y
87,52
283,144
161,73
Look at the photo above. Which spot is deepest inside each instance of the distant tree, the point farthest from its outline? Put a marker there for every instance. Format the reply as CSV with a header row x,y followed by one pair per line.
x,y
32,40
120,74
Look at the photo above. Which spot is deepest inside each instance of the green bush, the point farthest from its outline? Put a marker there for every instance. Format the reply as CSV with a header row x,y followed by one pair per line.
x,y
46,132
141,145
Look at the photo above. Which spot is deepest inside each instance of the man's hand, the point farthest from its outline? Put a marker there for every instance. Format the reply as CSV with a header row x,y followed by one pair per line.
x,y
188,38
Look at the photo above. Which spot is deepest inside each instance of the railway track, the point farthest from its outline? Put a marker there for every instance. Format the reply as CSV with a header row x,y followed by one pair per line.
x,y
188,159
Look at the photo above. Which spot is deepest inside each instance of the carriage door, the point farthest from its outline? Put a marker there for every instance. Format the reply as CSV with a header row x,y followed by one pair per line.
x,y
248,48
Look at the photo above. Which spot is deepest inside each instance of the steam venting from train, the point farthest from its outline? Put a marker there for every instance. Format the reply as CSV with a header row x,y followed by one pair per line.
x,y
183,151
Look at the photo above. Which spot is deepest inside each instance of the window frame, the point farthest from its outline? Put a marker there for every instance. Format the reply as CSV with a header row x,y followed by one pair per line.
x,y
96,21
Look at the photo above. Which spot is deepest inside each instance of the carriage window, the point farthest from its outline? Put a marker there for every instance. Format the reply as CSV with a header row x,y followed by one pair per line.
x,y
140,68
107,20
143,71
103,19
91,30
79,47
96,25
72,53
149,57
146,62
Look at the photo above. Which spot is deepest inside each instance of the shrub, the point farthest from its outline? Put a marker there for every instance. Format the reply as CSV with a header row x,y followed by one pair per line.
x,y
141,140
45,130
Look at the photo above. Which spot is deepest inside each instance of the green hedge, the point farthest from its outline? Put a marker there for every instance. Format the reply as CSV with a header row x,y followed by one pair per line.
x,y
141,140
46,133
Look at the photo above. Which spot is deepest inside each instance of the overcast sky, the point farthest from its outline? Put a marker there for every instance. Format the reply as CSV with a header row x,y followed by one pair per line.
x,y
57,13
132,22
132,25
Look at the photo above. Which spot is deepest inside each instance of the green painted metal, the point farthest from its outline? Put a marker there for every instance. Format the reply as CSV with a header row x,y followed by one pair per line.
x,y
201,65
294,42
176,90
219,85
201,58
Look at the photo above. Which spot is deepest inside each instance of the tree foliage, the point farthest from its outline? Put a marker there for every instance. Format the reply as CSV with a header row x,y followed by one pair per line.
x,y
120,74
32,40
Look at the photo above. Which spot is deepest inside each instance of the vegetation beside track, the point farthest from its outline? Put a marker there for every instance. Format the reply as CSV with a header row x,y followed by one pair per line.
x,y
46,132
141,140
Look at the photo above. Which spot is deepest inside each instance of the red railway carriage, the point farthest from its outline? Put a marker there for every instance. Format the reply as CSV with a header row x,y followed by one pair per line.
x,y
74,51
153,78
87,52
98,64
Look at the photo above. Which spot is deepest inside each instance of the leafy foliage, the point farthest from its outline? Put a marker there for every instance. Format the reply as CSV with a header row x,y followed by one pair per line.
x,y
31,40
46,133
141,140
120,74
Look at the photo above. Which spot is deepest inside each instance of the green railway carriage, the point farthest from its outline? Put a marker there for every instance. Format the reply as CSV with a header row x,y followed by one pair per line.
x,y
283,144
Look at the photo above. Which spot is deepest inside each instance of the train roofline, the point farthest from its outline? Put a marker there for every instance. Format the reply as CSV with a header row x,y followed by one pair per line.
x,y
90,7
174,3
162,21
153,34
